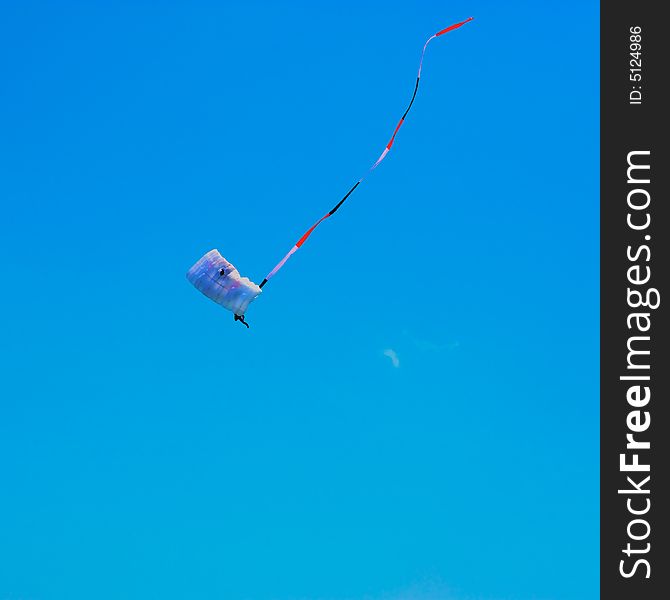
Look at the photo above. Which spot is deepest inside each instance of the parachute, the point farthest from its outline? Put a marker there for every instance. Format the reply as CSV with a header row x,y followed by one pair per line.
x,y
220,281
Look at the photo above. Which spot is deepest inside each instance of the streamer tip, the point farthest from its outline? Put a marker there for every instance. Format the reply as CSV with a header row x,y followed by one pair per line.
x,y
456,26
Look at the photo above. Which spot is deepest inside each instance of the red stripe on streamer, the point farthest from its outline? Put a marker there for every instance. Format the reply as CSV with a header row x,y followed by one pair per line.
x,y
394,134
439,33
303,239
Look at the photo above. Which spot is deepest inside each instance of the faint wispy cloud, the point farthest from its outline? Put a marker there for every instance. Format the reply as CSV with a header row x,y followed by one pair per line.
x,y
423,590
430,346
393,355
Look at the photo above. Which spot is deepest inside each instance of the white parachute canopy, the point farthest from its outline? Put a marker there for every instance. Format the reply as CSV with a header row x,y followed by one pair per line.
x,y
220,281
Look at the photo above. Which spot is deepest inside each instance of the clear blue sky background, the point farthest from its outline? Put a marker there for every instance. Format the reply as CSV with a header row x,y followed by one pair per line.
x,y
152,448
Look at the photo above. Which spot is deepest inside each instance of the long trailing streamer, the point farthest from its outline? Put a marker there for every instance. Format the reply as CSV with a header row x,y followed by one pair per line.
x,y
382,156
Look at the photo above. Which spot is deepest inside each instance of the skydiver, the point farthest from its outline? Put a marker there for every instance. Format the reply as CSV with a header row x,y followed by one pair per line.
x,y
241,318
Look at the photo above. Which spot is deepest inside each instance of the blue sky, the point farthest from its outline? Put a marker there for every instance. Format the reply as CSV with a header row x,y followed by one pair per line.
x,y
414,411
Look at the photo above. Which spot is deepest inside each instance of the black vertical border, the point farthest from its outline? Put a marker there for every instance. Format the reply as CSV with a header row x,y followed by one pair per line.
x,y
625,128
